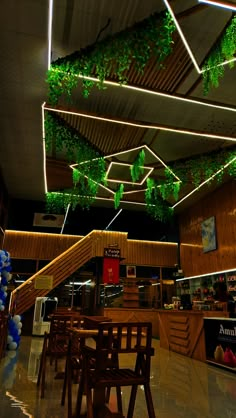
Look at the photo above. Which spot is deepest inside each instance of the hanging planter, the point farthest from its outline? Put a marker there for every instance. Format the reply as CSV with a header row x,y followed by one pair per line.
x,y
112,56
157,208
86,178
224,50
137,169
210,166
118,196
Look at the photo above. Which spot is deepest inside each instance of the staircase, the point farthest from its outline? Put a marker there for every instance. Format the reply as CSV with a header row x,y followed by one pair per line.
x,y
92,245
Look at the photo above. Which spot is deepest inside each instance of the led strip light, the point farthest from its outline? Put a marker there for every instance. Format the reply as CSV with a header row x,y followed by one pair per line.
x,y
192,57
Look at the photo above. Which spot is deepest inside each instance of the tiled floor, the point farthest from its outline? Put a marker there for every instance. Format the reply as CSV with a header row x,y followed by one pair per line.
x,y
181,387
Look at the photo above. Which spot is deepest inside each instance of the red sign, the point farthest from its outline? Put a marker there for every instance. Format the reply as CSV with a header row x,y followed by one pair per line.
x,y
111,270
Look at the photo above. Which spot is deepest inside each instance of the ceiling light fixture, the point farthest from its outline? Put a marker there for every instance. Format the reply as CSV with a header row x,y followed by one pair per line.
x,y
227,6
199,70
204,275
44,150
140,125
50,16
155,93
150,170
203,183
108,199
113,219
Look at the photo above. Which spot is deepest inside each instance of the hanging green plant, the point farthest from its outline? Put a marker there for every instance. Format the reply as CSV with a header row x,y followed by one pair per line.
x,y
203,167
157,208
137,169
112,56
170,189
62,137
224,50
91,167
118,196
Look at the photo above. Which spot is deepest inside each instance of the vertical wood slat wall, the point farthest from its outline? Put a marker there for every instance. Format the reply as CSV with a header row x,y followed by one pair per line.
x,y
37,246
222,204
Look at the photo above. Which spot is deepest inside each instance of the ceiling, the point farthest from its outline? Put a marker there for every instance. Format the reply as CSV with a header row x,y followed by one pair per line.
x,y
162,119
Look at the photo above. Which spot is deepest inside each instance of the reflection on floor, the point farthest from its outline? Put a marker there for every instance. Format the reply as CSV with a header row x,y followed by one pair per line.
x,y
181,387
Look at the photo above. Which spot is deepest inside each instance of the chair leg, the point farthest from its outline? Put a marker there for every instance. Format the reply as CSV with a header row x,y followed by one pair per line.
x,y
42,359
119,400
80,393
69,390
63,395
149,401
132,401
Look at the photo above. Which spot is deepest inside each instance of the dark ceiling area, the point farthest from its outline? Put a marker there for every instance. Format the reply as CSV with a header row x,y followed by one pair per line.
x,y
162,110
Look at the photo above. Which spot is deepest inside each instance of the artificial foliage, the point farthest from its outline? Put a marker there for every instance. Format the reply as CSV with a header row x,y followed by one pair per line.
x,y
113,56
224,50
137,169
118,196
156,206
90,171
201,168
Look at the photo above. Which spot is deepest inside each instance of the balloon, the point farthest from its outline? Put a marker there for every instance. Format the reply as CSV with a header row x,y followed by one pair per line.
x,y
9,339
19,325
16,318
13,346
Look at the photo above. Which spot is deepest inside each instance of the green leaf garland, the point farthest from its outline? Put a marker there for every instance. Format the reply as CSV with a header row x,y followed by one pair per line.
x,y
112,56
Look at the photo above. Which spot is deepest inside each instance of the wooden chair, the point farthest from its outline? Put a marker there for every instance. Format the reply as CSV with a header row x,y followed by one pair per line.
x,y
73,365
55,344
115,339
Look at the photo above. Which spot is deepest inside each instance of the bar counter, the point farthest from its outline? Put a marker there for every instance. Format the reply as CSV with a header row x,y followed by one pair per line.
x,y
182,331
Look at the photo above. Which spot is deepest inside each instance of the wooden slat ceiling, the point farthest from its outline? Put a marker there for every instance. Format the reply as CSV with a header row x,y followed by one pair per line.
x,y
77,24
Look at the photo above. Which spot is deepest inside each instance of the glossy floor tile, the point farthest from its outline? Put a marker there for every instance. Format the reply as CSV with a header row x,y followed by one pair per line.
x,y
181,387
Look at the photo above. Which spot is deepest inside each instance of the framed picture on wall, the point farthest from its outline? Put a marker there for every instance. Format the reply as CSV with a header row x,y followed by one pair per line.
x,y
130,271
208,230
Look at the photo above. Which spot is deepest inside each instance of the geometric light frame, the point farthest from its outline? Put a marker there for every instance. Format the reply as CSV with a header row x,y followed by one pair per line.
x,y
186,44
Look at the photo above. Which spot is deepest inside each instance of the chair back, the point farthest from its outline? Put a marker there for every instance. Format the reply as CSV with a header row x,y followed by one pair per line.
x,y
116,338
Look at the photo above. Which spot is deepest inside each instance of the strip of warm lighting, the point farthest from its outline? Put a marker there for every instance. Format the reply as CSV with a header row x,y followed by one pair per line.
x,y
203,183
182,37
50,16
99,184
227,6
199,70
140,125
108,199
44,150
204,275
153,92
150,169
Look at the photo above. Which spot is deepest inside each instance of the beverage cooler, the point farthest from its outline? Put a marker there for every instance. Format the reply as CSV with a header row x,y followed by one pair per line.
x,y
43,307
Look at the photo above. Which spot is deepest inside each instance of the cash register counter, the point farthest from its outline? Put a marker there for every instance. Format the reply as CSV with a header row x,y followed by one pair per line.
x,y
182,331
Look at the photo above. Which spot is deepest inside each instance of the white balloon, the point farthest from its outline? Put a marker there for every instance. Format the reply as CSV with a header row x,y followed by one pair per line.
x,y
19,325
16,318
4,288
19,331
2,307
11,354
12,346
9,339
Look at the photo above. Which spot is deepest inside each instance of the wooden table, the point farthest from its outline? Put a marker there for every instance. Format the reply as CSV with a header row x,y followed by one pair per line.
x,y
99,393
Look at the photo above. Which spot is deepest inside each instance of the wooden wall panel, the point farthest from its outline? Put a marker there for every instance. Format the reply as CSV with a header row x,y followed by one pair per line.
x,y
104,239
221,204
37,246
150,253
